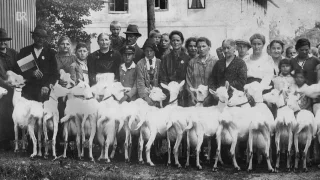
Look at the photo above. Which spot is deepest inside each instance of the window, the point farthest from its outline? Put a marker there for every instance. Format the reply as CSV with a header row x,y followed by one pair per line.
x,y
196,4
160,4
118,5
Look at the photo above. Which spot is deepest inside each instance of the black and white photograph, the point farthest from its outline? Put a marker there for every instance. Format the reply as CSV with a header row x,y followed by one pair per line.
x,y
160,89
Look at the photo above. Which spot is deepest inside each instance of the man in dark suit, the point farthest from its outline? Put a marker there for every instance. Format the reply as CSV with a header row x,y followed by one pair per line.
x,y
44,73
132,35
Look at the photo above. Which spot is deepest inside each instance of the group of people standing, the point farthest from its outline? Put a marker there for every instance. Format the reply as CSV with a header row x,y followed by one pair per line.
x,y
162,59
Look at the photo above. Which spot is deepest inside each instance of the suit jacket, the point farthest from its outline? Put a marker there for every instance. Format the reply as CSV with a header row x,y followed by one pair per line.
x,y
143,78
47,65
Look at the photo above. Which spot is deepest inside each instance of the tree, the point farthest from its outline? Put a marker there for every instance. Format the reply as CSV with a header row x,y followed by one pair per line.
x,y
66,17
150,15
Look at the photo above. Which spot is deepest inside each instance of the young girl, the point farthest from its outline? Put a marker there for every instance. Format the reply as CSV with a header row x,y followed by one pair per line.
x,y
284,81
300,79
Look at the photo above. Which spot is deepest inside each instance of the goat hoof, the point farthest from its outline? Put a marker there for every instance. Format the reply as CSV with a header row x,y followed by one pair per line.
x,y
179,166
238,169
288,169
276,170
127,161
215,169
107,161
199,167
295,170
45,157
141,162
24,150
305,169
187,166
16,151
249,170
92,160
168,164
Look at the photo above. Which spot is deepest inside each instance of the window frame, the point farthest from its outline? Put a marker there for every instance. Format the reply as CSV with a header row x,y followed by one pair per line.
x,y
157,10
204,5
125,2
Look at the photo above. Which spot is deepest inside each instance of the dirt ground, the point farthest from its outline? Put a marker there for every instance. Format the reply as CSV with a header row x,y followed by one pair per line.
x,y
19,166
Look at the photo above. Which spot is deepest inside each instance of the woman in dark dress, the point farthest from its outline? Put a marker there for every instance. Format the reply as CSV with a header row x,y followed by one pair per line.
x,y
104,60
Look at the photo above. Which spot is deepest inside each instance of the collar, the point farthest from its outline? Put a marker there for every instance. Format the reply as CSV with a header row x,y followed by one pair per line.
x,y
282,106
172,101
53,98
153,59
81,62
132,66
239,105
110,97
208,58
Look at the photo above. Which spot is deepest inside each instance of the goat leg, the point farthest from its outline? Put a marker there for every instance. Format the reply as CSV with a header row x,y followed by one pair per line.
x,y
267,150
250,150
176,149
93,132
198,148
277,142
45,132
296,145
188,149
305,153
169,149
16,149
148,147
39,138
54,135
126,144
218,139
34,140
233,150
289,148
65,134
115,144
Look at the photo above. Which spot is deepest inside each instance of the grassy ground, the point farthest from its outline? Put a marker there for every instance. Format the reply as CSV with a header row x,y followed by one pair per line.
x,y
19,166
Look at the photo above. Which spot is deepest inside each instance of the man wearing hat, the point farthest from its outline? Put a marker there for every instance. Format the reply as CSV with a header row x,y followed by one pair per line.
x,y
8,56
45,72
148,70
132,35
128,73
8,61
243,47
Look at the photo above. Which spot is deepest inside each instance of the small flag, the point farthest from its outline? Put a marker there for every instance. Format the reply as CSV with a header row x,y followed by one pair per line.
x,y
27,63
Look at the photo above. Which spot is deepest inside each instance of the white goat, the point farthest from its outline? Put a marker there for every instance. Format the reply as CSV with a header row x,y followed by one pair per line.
x,y
27,114
201,93
234,125
108,116
284,122
152,122
67,78
312,91
51,116
304,130
262,128
204,122
74,112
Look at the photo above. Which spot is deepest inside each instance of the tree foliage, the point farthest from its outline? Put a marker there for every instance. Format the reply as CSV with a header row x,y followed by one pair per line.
x,y
67,17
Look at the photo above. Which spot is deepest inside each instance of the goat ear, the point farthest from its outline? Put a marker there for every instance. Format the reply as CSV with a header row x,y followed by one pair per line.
x,y
227,85
212,91
164,86
182,83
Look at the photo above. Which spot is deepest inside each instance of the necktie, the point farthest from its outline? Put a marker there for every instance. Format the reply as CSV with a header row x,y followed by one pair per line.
x,y
150,62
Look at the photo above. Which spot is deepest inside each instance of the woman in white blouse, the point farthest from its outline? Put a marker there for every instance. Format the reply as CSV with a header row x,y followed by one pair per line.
x,y
259,64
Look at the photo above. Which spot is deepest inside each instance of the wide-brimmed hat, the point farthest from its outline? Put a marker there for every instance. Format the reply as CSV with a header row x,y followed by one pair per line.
x,y
39,31
4,35
133,29
242,41
127,50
